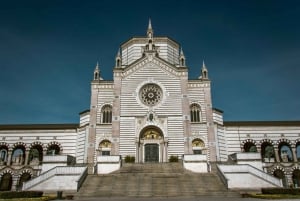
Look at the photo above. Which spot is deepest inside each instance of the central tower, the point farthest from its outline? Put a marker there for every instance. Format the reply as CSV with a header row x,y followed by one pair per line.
x,y
150,110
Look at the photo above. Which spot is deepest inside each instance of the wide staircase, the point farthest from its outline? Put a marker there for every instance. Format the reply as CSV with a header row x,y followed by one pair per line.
x,y
154,180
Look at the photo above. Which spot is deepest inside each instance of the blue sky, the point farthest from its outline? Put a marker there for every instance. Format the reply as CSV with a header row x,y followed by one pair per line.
x,y
48,51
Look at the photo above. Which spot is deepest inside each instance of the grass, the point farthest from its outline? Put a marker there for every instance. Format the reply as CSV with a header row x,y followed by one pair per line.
x,y
44,198
272,196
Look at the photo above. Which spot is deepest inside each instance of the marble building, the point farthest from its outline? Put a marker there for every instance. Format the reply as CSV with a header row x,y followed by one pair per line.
x,y
150,111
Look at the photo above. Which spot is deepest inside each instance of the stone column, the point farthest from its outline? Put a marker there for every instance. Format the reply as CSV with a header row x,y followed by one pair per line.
x,y
294,154
161,145
137,154
277,158
14,183
9,157
166,151
26,157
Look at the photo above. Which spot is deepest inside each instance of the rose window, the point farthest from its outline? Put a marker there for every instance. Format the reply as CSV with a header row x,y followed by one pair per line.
x,y
150,94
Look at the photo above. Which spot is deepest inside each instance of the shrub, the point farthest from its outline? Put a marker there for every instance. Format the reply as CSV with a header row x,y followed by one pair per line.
x,y
20,194
291,191
173,159
129,159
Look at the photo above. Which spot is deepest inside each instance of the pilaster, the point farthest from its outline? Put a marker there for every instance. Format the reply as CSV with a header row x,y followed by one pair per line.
x,y
185,112
211,136
116,111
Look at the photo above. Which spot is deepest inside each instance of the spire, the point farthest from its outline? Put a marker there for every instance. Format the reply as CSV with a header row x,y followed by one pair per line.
x,y
204,72
181,58
97,66
150,30
97,72
118,59
203,66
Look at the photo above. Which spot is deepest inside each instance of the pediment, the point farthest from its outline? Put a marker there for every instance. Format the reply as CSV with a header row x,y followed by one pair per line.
x,y
151,60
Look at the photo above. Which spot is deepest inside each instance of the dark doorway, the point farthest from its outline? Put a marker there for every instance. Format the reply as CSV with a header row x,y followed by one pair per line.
x,y
25,177
151,153
6,182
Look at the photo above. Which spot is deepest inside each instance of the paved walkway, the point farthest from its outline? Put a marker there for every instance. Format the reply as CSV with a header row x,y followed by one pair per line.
x,y
176,199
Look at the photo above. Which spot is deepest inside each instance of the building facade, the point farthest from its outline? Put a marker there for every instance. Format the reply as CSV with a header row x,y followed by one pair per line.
x,y
150,112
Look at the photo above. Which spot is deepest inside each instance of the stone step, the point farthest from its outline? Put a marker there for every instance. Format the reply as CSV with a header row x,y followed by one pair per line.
x,y
153,180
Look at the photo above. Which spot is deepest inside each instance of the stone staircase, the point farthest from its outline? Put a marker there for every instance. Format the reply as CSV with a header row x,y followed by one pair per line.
x,y
154,180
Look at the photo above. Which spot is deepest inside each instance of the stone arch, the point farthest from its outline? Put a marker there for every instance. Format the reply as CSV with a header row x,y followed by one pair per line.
x,y
297,147
36,150
296,176
151,132
18,153
249,145
54,148
151,145
6,180
105,147
25,175
280,173
198,146
4,147
285,150
267,150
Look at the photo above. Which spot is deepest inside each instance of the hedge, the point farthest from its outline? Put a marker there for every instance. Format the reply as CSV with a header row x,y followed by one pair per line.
x,y
173,159
129,159
291,191
20,194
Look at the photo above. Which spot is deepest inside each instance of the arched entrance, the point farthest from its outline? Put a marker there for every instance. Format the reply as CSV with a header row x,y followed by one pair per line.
x,y
6,182
152,147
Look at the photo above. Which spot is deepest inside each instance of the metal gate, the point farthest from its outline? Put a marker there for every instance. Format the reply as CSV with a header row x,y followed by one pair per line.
x,y
151,153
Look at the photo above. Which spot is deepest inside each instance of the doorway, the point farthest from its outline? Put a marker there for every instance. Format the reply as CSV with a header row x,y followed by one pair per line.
x,y
152,153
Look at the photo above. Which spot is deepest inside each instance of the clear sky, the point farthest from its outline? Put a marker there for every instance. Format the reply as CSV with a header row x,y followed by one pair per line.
x,y
49,49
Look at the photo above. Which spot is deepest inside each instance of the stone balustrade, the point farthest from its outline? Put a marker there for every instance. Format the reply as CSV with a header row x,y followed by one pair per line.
x,y
52,172
240,171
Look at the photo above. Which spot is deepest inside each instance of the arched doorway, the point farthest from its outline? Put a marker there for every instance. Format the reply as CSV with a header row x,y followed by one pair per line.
x,y
198,146
105,148
296,178
24,177
151,146
280,175
36,155
267,152
6,182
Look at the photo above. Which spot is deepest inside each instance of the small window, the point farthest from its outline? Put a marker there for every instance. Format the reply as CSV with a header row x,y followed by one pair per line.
x,y
195,113
106,114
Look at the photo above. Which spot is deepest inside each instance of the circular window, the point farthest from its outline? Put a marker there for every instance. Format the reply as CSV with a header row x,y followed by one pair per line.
x,y
150,94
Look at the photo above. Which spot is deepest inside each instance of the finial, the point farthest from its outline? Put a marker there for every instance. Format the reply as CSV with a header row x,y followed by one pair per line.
x,y
150,30
181,52
97,66
149,24
203,65
204,72
118,59
97,72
